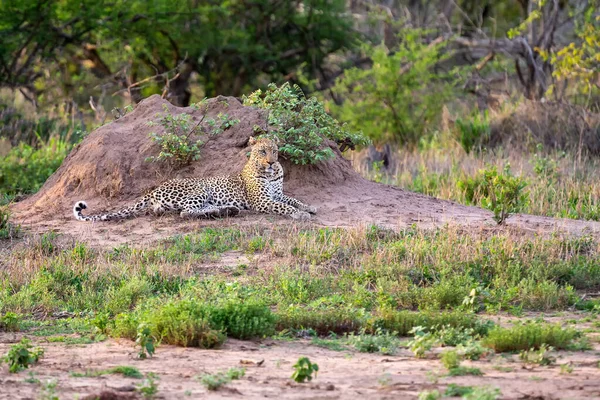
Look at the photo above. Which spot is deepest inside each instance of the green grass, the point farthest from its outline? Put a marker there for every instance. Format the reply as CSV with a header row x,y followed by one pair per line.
x,y
530,336
558,185
127,371
323,280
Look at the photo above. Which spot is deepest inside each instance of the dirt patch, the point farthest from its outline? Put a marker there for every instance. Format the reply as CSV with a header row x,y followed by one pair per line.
x,y
342,374
109,170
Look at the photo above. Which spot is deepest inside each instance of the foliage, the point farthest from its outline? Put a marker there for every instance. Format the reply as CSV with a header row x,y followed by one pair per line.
x,y
215,381
422,342
10,322
529,336
176,145
304,369
57,52
145,341
21,355
462,370
380,342
301,125
578,63
429,395
130,372
450,359
474,130
243,319
483,393
539,356
401,95
26,168
149,388
454,390
500,193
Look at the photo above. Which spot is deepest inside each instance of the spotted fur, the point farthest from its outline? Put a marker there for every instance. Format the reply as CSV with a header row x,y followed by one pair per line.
x,y
258,187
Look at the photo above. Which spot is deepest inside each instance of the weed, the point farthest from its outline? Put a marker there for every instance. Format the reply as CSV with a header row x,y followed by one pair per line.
x,y
429,395
303,370
483,393
32,379
454,390
215,381
529,335
100,322
422,341
566,368
471,349
461,371
145,341
49,390
130,372
450,359
453,336
380,342
10,322
331,344
539,356
21,355
149,388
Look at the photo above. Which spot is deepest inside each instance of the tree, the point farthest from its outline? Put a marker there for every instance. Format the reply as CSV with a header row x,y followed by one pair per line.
x,y
232,46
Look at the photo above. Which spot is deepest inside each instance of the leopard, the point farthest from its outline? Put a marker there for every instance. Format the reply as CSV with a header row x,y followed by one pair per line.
x,y
258,187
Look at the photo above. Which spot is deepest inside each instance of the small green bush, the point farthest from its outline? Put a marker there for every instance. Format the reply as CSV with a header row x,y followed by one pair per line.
x,y
422,341
7,229
450,359
529,335
176,145
380,342
539,356
500,193
215,381
302,125
10,322
323,321
303,370
242,319
21,355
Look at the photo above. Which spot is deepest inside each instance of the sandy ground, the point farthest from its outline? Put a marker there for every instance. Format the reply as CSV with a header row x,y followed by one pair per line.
x,y
342,374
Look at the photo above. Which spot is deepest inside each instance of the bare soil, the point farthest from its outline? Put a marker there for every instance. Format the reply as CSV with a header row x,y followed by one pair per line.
x,y
109,170
342,374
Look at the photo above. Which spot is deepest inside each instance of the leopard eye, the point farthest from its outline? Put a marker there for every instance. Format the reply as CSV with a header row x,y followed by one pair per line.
x,y
263,153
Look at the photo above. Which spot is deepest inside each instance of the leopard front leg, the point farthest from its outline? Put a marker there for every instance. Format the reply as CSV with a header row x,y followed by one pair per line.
x,y
297,204
269,206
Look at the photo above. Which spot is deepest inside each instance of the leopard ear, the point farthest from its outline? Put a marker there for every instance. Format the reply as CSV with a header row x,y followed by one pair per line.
x,y
252,141
276,140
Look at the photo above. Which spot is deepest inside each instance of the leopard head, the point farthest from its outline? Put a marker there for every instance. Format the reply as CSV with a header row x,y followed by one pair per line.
x,y
264,155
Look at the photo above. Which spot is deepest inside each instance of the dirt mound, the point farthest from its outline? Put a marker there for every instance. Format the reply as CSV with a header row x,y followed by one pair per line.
x,y
109,170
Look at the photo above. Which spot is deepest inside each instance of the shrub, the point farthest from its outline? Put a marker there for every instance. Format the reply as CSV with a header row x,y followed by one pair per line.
x,y
400,97
422,342
450,359
303,370
242,319
176,145
21,355
380,342
530,335
404,321
301,124
337,320
500,193
539,356
10,322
